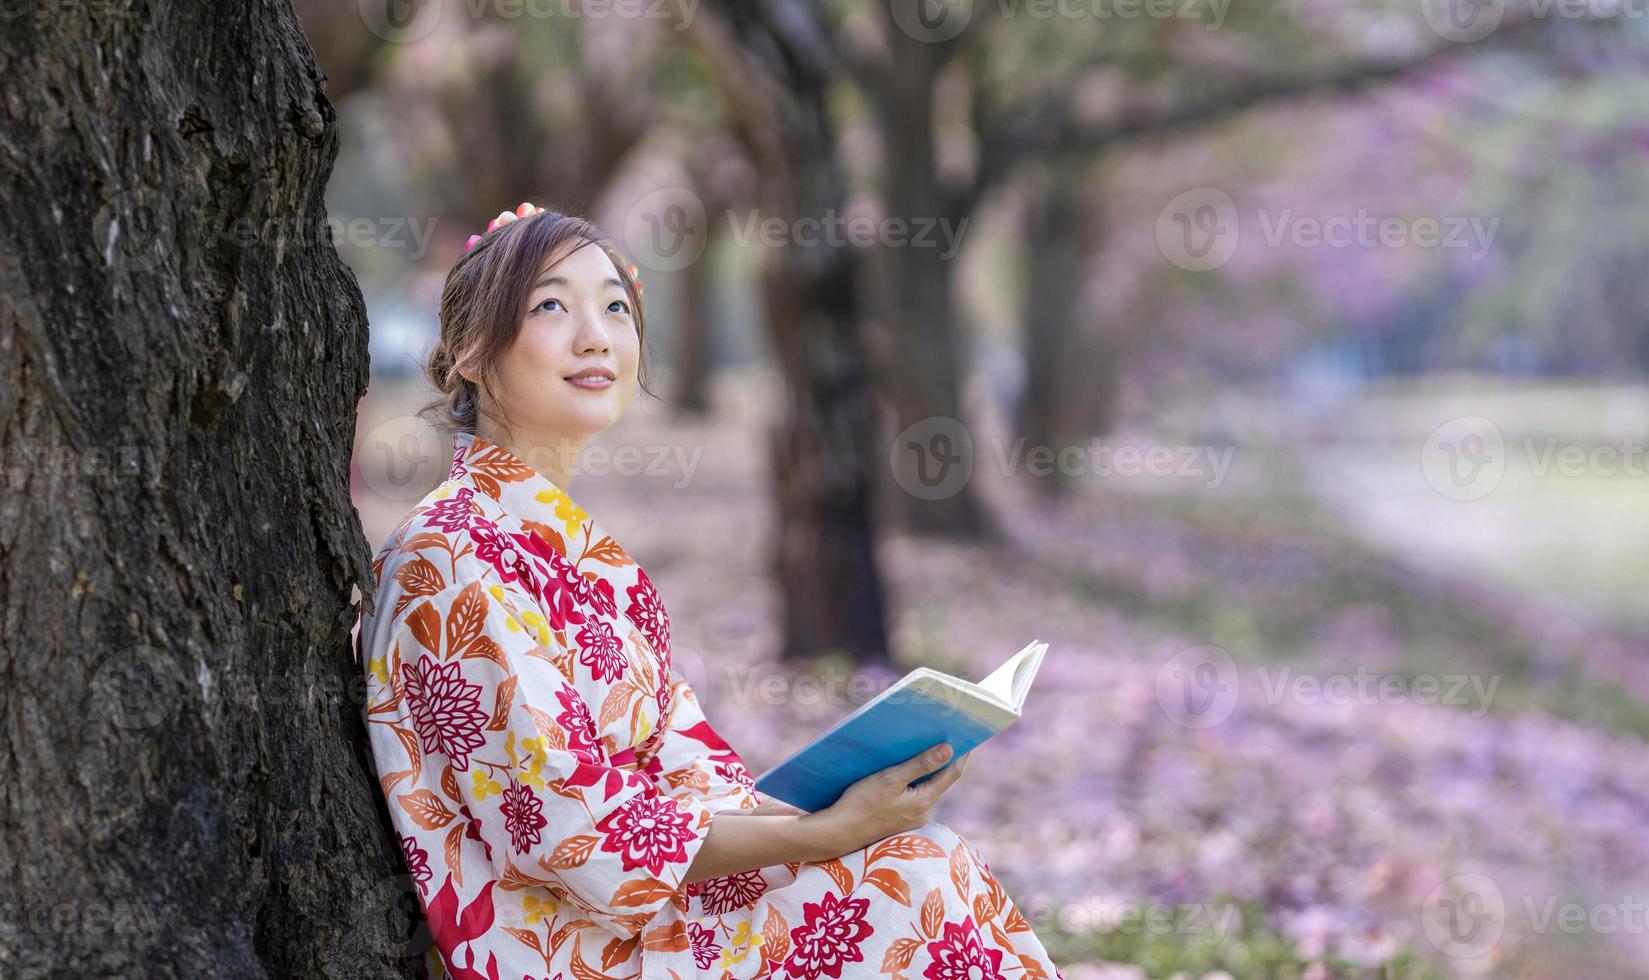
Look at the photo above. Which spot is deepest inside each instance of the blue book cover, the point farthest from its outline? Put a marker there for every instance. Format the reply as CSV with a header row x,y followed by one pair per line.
x,y
924,708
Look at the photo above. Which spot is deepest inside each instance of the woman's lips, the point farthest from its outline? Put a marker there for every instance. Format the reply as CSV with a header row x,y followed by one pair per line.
x,y
591,382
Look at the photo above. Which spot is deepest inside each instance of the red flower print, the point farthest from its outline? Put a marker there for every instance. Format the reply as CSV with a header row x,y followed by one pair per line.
x,y
961,954
829,938
647,832
453,513
647,611
458,467
735,891
523,816
580,727
417,859
705,946
601,597
601,651
502,551
446,709
565,591
472,829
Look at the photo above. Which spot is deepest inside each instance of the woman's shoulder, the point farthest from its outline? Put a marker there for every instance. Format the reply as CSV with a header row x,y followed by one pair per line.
x,y
432,550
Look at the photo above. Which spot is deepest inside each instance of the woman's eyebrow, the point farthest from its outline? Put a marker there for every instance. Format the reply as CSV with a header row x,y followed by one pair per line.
x,y
562,281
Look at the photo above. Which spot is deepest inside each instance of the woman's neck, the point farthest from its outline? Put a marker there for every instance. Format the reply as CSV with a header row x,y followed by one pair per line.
x,y
552,456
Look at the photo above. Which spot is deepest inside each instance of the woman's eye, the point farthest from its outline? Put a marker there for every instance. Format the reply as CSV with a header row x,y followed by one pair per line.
x,y
546,303
623,306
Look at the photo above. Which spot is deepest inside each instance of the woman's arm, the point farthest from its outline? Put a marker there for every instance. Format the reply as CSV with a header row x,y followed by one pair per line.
x,y
877,806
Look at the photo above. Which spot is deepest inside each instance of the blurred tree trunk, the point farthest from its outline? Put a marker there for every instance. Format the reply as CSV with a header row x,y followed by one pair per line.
x,y
696,341
185,786
1072,368
914,276
824,457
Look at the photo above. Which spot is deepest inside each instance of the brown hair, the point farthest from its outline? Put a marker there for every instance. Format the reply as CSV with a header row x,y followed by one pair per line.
x,y
484,300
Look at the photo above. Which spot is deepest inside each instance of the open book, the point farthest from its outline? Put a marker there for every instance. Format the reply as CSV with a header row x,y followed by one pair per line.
x,y
925,707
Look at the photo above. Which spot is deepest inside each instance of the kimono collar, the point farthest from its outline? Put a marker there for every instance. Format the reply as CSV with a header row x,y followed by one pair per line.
x,y
523,492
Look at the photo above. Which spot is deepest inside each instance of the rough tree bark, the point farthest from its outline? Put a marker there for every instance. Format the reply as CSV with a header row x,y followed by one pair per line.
x,y
824,447
182,786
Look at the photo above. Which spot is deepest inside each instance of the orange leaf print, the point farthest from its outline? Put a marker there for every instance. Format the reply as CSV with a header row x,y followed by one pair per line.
x,y
581,969
643,891
571,852
449,783
775,935
616,704
617,951
551,536
388,780
984,907
486,646
449,853
501,711
1033,969
418,577
960,875
667,938
555,737
1002,939
514,879
464,622
409,741
933,914
426,809
838,873
608,552
425,623
892,882
429,539
899,954
531,939
906,847
1016,922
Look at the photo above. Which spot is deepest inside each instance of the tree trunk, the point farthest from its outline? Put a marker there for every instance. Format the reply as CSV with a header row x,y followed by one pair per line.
x,y
1071,372
913,286
695,340
185,790
825,460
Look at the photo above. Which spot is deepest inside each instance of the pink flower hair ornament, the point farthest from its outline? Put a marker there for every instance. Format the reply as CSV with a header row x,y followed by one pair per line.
x,y
527,210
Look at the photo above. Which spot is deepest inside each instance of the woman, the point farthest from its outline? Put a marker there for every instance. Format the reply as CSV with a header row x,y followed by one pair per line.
x,y
563,804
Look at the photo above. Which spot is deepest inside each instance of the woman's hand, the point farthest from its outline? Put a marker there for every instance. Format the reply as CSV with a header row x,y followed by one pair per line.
x,y
770,806
884,803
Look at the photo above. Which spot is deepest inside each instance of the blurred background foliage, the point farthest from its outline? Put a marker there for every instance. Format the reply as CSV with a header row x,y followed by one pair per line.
x,y
1434,447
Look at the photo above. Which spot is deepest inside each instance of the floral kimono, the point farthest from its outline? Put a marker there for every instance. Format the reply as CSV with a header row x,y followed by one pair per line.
x,y
551,779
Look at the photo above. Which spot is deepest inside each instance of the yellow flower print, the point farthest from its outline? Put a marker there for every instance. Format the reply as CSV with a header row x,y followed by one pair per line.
x,y
572,516
539,626
379,669
485,786
739,946
538,909
445,490
536,757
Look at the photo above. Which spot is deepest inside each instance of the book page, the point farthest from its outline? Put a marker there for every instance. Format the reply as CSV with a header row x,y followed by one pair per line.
x,y
1010,682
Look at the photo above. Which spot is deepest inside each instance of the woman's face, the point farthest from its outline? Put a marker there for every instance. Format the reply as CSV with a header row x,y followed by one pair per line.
x,y
577,319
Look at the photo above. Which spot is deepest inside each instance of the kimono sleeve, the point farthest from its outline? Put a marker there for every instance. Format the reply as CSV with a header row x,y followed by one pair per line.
x,y
540,789
696,761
